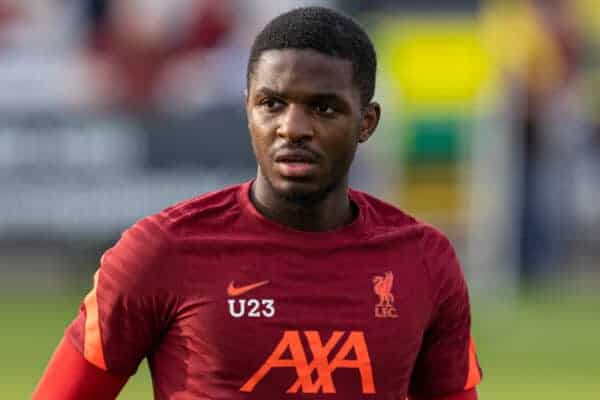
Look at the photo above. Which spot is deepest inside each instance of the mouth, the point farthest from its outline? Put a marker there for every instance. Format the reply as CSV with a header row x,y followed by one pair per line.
x,y
296,156
296,163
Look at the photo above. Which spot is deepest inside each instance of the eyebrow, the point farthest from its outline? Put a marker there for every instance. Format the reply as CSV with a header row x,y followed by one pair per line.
x,y
268,92
325,96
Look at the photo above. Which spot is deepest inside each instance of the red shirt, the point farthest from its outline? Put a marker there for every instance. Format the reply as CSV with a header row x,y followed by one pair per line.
x,y
226,304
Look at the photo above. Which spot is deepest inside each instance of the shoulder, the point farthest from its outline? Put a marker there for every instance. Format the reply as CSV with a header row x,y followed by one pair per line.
x,y
435,250
160,231
209,209
146,255
435,243
385,217
443,267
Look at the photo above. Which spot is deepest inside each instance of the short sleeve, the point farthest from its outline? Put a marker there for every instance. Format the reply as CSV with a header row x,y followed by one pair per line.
x,y
126,312
447,362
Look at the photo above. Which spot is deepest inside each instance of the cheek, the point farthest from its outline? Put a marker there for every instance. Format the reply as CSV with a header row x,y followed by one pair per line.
x,y
343,146
261,140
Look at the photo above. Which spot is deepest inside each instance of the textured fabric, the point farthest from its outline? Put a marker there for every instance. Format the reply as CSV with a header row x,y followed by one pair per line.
x,y
226,304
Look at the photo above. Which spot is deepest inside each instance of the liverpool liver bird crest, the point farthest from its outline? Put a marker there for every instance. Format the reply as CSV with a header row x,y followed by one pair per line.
x,y
382,286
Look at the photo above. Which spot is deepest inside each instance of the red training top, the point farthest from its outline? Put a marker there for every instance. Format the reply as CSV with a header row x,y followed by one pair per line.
x,y
226,304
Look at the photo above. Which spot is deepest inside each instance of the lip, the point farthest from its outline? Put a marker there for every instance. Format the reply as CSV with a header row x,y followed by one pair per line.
x,y
296,169
296,162
296,156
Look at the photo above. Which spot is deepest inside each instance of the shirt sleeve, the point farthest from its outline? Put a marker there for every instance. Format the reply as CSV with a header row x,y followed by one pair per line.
x,y
129,306
69,377
447,362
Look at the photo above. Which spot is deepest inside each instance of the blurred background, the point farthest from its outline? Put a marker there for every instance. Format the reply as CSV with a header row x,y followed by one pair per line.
x,y
112,110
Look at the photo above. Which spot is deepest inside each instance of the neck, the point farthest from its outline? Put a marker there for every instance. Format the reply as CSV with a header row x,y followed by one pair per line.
x,y
330,212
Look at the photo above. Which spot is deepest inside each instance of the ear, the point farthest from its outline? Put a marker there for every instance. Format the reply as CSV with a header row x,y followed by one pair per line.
x,y
370,119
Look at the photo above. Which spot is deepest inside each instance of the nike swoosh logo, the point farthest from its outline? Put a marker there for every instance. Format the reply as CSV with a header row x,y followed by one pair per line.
x,y
237,291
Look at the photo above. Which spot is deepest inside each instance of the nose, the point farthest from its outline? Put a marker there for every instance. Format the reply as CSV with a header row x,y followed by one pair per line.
x,y
295,124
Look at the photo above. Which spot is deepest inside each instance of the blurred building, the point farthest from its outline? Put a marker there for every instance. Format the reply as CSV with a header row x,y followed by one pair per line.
x,y
112,110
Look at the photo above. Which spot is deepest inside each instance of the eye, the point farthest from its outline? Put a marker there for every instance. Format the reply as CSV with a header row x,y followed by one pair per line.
x,y
271,104
324,109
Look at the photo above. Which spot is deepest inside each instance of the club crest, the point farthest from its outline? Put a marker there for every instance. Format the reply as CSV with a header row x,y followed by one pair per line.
x,y
382,286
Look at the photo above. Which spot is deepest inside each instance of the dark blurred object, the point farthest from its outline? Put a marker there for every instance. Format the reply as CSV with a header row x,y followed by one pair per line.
x,y
130,51
71,176
549,148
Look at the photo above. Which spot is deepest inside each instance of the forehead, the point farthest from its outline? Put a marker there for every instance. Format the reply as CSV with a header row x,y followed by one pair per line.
x,y
307,70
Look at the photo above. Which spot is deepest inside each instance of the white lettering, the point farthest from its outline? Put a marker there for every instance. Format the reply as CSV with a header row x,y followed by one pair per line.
x,y
269,307
252,308
232,311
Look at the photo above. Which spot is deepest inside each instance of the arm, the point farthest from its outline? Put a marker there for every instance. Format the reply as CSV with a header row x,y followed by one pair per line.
x,y
119,321
70,376
446,367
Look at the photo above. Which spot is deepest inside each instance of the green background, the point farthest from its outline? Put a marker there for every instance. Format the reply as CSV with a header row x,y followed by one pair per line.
x,y
544,345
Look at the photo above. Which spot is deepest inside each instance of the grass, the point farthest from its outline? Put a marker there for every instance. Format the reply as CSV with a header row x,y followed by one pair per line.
x,y
547,347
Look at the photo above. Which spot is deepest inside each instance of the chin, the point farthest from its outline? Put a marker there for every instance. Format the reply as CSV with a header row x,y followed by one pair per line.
x,y
300,191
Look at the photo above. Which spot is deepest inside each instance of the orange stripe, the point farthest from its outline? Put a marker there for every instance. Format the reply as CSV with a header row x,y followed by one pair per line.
x,y
474,375
92,344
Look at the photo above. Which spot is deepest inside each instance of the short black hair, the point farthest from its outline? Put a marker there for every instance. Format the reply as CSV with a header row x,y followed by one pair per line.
x,y
326,31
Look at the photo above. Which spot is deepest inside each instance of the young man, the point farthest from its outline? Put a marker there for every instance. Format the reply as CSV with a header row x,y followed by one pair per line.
x,y
291,284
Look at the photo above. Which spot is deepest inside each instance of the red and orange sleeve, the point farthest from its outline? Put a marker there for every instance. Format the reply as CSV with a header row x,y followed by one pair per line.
x,y
126,311
69,376
447,362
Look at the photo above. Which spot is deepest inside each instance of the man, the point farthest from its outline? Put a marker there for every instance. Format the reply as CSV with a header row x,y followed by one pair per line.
x,y
289,285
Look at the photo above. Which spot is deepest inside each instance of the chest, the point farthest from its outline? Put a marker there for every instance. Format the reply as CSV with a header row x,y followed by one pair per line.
x,y
339,321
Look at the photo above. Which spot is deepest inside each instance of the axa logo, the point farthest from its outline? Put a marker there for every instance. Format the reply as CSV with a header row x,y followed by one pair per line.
x,y
382,286
316,375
